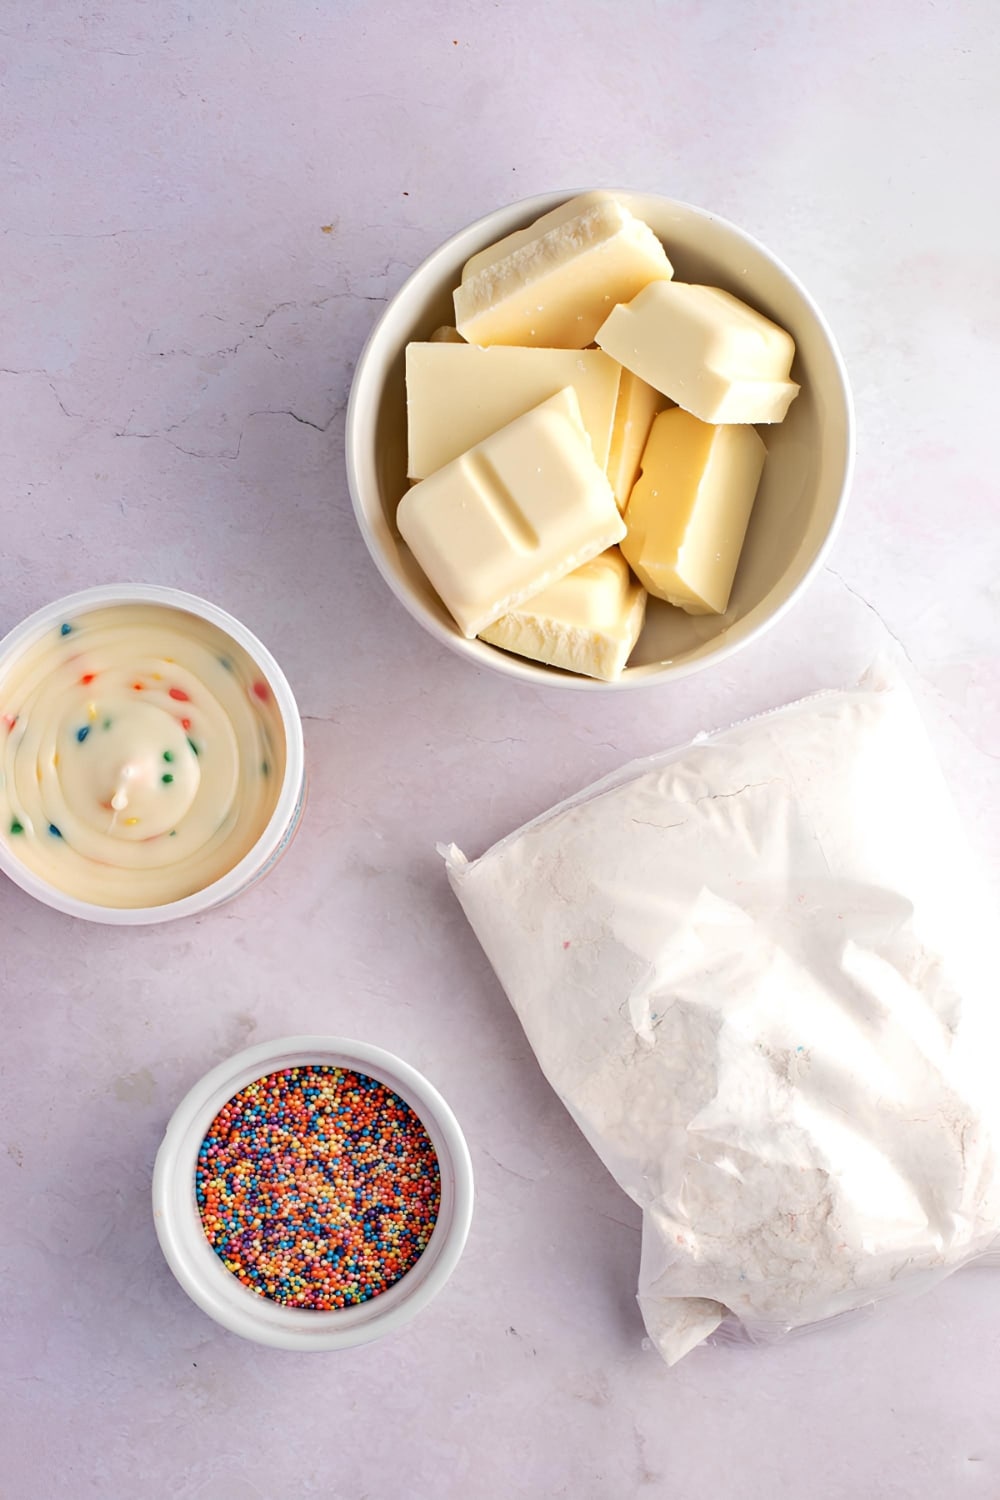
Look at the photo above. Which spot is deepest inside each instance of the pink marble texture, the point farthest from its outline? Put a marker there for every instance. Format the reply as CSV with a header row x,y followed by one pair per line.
x,y
203,209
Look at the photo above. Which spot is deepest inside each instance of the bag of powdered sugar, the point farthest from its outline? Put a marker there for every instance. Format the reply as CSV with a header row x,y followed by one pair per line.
x,y
754,970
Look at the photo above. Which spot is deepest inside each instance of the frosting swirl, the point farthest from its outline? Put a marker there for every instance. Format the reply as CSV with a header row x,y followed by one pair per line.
x,y
141,755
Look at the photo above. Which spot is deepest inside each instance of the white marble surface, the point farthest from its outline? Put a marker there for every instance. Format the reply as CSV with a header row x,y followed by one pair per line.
x,y
203,209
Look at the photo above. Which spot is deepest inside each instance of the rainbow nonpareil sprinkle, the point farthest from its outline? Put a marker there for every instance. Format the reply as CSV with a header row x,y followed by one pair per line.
x,y
318,1187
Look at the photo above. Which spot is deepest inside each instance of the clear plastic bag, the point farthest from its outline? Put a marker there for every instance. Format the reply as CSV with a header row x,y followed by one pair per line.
x,y
755,969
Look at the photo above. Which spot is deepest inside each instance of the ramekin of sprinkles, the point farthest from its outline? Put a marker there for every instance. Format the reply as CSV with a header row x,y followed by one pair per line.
x,y
151,755
313,1193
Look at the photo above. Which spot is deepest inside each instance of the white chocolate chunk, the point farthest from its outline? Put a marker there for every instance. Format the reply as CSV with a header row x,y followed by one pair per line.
x,y
638,404
517,512
446,335
457,394
554,283
588,622
706,350
688,512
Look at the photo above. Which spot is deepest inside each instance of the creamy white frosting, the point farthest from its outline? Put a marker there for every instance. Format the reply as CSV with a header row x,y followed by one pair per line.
x,y
141,755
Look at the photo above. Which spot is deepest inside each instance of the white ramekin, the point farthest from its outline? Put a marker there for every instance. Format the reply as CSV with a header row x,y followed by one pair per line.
x,y
221,1294
283,821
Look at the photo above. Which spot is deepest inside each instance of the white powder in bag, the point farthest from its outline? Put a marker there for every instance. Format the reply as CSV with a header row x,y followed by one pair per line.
x,y
756,972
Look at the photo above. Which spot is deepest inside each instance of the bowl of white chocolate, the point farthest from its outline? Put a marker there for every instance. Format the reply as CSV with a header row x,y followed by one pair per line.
x,y
599,440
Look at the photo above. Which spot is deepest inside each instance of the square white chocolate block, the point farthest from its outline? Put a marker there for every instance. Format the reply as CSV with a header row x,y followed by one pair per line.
x,y
457,394
706,350
638,404
588,622
517,512
688,512
554,283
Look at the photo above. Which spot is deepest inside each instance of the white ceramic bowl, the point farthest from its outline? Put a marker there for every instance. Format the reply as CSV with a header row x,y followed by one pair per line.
x,y
217,1291
287,813
804,486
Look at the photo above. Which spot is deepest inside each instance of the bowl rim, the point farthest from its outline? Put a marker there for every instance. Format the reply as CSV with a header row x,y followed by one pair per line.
x,y
220,1294
281,825
538,674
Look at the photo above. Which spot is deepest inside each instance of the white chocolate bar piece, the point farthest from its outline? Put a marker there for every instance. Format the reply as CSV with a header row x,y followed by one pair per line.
x,y
706,350
457,394
554,283
688,512
638,404
588,622
515,513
